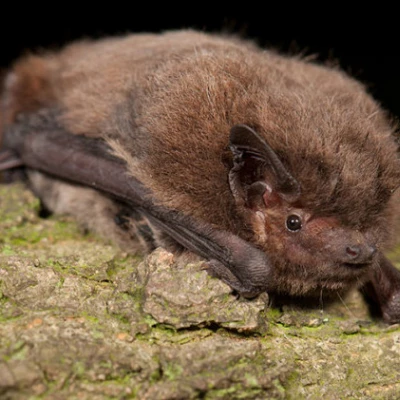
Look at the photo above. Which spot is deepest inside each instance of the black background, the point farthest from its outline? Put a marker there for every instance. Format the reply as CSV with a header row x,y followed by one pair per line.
x,y
365,42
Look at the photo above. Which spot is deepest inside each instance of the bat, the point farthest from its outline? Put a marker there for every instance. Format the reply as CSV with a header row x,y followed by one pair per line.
x,y
280,172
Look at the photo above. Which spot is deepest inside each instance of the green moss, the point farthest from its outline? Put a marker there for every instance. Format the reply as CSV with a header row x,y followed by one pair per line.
x,y
233,390
105,364
18,351
278,385
78,369
49,231
90,318
120,264
272,313
149,320
172,371
292,385
122,318
7,250
251,380
60,283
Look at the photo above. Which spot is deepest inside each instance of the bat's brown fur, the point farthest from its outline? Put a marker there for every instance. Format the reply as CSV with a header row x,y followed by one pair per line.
x,y
166,104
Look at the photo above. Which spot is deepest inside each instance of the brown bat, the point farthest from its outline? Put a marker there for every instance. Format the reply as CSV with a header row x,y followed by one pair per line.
x,y
280,172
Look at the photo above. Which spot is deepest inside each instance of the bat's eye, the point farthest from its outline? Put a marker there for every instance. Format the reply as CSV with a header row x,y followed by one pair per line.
x,y
293,223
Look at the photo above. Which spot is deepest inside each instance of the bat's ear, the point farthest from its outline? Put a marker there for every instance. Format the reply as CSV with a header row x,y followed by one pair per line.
x,y
258,175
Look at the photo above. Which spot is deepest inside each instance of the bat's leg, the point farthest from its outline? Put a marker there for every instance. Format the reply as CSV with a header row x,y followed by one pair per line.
x,y
9,167
382,291
8,160
130,219
94,211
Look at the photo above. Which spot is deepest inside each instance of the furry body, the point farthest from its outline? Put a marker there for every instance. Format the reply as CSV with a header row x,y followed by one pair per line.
x,y
166,103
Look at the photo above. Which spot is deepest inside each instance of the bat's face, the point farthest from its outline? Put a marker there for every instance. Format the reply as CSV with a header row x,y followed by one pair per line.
x,y
313,253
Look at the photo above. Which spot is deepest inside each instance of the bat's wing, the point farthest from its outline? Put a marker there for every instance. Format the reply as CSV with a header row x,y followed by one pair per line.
x,y
38,144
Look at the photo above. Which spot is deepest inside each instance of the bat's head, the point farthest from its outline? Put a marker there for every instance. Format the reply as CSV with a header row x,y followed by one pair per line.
x,y
313,247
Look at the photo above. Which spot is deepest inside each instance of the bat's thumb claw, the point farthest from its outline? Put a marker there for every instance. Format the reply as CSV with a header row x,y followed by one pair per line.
x,y
216,269
205,266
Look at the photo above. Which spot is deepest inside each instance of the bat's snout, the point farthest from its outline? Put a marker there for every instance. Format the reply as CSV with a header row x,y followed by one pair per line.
x,y
359,254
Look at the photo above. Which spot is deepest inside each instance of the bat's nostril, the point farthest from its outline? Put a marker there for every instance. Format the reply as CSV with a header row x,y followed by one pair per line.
x,y
353,251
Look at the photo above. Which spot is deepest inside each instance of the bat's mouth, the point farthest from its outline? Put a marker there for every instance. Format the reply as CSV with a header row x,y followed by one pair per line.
x,y
357,266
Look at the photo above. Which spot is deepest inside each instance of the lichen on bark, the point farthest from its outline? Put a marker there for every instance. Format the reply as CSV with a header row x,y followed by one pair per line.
x,y
81,319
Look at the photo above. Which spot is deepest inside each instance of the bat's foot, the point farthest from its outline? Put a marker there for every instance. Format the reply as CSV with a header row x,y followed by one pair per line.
x,y
382,291
391,309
